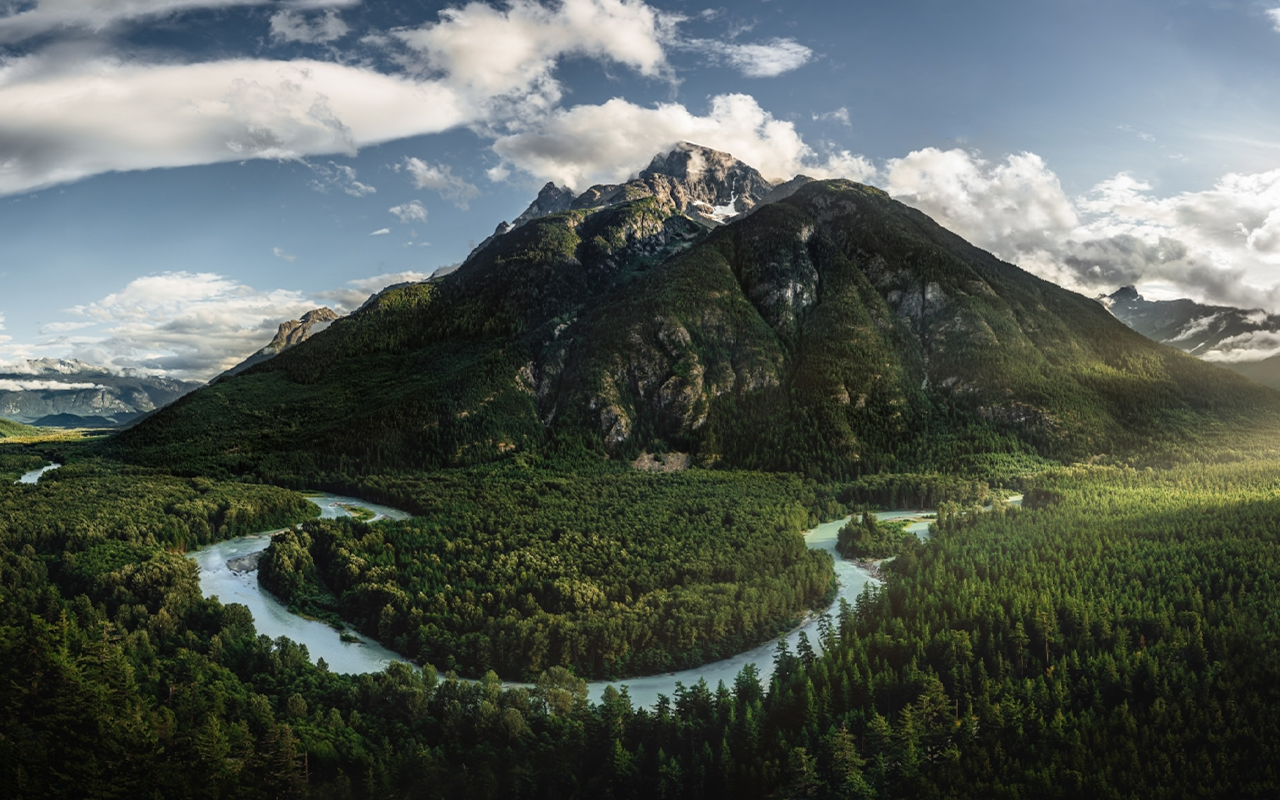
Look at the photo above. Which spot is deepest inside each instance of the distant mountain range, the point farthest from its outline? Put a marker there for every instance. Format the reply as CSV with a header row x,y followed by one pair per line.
x,y
69,393
815,326
1199,329
57,393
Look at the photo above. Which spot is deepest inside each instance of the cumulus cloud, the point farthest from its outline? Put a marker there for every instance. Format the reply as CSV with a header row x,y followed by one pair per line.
x,y
292,26
1220,245
440,178
186,325
1016,208
1275,17
356,292
763,60
495,52
607,143
412,211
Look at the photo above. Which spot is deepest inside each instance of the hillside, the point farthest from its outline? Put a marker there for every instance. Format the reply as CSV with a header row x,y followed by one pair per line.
x,y
833,332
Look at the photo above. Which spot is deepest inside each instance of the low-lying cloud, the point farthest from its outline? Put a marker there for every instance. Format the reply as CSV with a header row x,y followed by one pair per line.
x,y
9,385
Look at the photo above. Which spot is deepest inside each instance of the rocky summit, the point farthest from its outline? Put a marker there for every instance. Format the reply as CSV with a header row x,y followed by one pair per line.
x,y
291,332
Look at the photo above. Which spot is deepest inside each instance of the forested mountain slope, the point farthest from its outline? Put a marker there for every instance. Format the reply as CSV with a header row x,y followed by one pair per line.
x,y
833,332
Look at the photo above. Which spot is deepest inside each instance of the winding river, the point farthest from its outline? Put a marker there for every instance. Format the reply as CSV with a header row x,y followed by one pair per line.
x,y
352,652
34,475
273,618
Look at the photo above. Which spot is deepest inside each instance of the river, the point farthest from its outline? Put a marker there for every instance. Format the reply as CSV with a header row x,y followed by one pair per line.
x,y
273,618
34,475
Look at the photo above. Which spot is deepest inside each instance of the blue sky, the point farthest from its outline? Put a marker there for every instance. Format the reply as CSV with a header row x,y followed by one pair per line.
x,y
178,176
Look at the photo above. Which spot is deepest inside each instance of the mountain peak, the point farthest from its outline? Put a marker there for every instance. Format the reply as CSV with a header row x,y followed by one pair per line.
x,y
290,333
706,185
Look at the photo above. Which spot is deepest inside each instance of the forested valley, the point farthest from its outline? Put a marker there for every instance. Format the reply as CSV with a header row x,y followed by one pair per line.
x,y
1116,637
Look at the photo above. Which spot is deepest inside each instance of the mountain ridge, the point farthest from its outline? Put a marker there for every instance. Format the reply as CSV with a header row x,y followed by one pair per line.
x,y
833,332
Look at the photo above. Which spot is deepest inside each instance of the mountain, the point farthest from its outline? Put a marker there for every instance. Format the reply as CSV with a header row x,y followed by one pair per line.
x,y
290,333
1198,329
53,392
833,332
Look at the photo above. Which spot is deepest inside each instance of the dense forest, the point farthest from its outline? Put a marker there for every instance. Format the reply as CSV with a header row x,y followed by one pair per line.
x,y
1117,637
613,574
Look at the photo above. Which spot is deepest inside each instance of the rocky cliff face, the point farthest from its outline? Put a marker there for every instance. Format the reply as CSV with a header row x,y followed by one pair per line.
x,y
71,393
290,333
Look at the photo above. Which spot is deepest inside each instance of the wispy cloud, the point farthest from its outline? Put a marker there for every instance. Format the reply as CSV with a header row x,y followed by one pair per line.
x,y
755,60
381,232
1275,17
440,178
840,115
10,385
333,175
292,26
281,254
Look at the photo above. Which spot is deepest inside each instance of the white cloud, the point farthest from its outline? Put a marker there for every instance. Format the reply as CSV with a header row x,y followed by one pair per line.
x,y
496,52
607,143
1016,208
61,122
1275,17
440,178
767,60
356,292
291,26
381,232
1221,245
412,211
65,116
186,325
1251,346
281,254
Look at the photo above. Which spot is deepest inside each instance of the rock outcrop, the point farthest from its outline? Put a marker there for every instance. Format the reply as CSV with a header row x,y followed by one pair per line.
x,y
289,334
